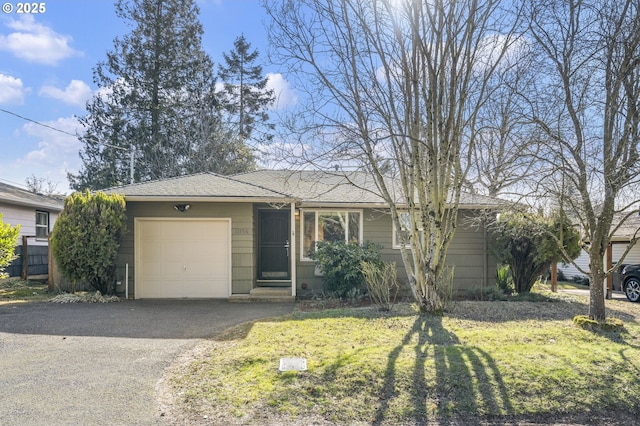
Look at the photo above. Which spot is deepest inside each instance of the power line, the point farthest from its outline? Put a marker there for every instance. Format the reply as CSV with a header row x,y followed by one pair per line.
x,y
58,130
131,149
38,123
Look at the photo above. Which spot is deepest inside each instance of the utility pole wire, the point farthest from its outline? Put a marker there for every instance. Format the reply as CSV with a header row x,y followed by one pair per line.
x,y
75,135
38,123
132,148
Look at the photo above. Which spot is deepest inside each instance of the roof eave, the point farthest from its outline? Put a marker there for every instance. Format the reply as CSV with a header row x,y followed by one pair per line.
x,y
24,203
381,205
206,199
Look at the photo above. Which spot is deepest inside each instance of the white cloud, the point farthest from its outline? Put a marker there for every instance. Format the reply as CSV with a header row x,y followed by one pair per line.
x,y
285,95
76,93
56,152
35,42
12,90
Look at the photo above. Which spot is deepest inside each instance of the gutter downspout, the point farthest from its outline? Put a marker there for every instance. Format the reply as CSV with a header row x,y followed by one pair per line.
x,y
292,245
485,254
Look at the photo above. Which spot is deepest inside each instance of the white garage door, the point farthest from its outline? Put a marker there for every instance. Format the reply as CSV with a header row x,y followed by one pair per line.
x,y
177,258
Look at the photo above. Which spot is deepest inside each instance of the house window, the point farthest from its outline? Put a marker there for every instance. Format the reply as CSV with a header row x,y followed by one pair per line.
x,y
42,224
404,236
324,225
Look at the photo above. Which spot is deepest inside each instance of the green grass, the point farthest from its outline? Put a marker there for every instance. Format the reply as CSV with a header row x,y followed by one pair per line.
x,y
562,285
15,290
483,361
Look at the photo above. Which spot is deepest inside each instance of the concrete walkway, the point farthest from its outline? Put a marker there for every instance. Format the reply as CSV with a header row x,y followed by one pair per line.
x,y
616,295
98,364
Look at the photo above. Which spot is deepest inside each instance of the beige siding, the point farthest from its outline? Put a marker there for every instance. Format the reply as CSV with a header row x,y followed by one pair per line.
x,y
242,250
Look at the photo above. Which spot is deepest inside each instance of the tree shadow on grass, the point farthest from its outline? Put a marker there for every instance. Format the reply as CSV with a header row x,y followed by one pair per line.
x,y
467,380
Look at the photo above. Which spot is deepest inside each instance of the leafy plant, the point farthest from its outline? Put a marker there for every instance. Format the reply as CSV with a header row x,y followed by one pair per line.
x,y
561,276
86,238
382,283
340,263
529,244
8,240
580,279
504,280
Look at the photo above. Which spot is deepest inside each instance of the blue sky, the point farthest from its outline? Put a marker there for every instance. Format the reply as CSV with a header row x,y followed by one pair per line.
x,y
46,63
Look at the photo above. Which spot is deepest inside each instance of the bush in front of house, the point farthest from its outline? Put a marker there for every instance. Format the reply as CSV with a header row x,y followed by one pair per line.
x,y
340,263
530,243
8,241
382,283
86,238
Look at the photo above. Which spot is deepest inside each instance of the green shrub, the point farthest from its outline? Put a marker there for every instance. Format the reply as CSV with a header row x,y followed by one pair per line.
x,y
530,243
382,283
504,280
86,238
340,263
560,275
580,280
8,241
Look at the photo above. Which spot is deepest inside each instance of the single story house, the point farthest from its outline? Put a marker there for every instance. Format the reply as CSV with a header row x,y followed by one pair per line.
x,y
249,235
36,215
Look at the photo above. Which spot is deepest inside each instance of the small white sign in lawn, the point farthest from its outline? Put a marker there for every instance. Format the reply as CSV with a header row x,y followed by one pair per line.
x,y
292,364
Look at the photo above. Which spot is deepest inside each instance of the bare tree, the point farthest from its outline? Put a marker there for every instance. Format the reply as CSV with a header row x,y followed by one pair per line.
x,y
505,150
395,88
587,106
40,185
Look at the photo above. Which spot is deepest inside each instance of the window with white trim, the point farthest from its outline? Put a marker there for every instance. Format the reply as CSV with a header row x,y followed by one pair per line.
x,y
404,236
42,224
329,225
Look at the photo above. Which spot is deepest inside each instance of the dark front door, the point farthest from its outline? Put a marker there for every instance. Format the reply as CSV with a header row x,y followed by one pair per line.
x,y
273,250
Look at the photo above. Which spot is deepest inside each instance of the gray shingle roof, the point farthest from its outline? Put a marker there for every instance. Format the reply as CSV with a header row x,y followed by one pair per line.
x,y
318,187
201,185
310,188
13,195
321,187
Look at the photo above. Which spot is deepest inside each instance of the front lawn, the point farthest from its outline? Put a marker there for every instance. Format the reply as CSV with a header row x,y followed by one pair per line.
x,y
484,361
15,290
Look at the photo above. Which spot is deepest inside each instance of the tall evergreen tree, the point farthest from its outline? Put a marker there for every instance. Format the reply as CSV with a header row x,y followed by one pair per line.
x,y
156,97
245,94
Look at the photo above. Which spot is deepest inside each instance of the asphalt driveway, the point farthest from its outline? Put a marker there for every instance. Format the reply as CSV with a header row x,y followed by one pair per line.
x,y
90,364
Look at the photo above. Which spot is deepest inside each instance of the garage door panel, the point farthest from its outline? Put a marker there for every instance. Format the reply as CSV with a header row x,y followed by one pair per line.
x,y
204,270
173,250
183,258
153,251
199,250
153,270
177,233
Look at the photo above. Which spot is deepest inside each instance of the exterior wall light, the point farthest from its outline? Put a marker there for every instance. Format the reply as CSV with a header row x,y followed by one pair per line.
x,y
182,207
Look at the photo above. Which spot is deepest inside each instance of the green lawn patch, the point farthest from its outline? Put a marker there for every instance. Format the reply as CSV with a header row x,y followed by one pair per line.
x,y
15,290
484,361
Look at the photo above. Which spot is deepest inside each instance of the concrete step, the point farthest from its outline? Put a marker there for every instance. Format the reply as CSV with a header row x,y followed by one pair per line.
x,y
265,294
271,291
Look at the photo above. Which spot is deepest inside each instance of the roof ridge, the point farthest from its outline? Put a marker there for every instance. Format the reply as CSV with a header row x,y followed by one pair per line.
x,y
30,193
111,188
256,185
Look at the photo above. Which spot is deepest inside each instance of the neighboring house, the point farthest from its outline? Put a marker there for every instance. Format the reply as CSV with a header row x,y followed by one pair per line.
x,y
247,235
36,214
619,242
